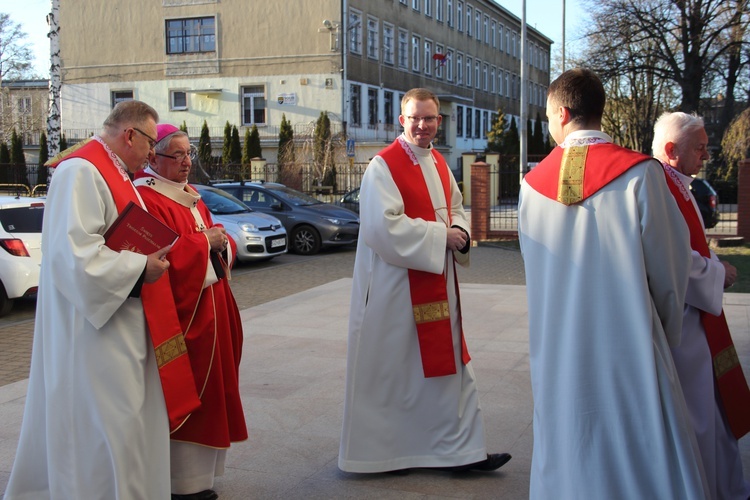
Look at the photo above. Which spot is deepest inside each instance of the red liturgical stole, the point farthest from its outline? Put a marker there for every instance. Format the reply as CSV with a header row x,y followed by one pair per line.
x,y
176,375
429,296
735,395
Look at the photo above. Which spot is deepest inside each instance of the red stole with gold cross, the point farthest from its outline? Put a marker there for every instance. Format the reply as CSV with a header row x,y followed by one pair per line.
x,y
180,394
429,295
570,175
735,395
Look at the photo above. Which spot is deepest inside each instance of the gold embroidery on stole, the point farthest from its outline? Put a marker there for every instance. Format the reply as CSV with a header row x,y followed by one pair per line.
x,y
435,311
725,361
572,168
170,350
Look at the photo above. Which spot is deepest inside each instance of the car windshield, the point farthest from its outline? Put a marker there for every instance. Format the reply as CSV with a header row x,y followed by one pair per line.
x,y
295,197
22,219
221,203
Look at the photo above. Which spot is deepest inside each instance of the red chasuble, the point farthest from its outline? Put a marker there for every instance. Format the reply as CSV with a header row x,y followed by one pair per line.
x,y
735,395
572,174
208,315
164,328
429,296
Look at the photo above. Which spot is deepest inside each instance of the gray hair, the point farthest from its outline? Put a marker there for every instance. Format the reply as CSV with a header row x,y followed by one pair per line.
x,y
673,127
163,144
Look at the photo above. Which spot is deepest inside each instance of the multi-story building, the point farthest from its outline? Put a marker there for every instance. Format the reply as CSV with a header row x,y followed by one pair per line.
x,y
23,108
248,62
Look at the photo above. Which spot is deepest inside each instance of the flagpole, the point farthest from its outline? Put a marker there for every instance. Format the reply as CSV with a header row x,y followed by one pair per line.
x,y
524,105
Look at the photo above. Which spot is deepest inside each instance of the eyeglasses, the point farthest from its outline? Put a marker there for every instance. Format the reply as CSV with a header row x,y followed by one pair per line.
x,y
191,153
151,140
427,119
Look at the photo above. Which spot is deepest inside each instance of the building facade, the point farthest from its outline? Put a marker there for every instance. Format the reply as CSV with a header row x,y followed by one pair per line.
x,y
23,108
250,62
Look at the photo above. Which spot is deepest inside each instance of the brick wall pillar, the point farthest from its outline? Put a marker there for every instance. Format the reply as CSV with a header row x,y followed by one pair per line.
x,y
480,200
743,199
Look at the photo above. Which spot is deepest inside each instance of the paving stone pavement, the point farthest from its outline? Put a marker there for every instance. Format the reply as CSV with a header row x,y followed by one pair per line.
x,y
257,283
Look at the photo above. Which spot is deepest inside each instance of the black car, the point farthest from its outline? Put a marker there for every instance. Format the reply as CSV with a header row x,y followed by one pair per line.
x,y
350,200
310,223
707,200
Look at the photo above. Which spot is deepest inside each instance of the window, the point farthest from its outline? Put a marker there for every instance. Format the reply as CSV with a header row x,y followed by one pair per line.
x,y
428,8
178,100
428,62
486,27
402,2
388,105
500,82
403,49
439,10
507,41
485,82
415,4
373,28
507,84
254,105
191,35
415,48
449,65
485,122
439,63
468,123
500,37
387,43
513,44
493,34
477,123
372,108
477,81
355,105
492,80
459,69
477,24
355,32
460,15
469,21
118,96
24,105
459,121
468,71
449,12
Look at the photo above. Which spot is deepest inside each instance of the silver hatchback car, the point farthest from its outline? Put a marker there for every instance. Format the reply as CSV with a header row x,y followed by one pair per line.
x,y
258,236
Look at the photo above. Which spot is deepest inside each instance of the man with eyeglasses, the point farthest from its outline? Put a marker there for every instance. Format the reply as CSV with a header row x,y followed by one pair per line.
x,y
199,290
95,423
411,394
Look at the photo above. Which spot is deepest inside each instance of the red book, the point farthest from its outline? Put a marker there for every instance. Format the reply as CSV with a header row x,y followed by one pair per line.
x,y
138,231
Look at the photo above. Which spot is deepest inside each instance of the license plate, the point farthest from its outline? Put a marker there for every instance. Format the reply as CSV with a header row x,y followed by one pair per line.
x,y
278,242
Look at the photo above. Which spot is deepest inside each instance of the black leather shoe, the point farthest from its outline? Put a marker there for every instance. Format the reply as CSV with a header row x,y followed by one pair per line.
x,y
202,495
493,462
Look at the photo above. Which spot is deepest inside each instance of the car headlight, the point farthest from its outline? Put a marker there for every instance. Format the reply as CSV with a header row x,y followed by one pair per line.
x,y
333,220
249,228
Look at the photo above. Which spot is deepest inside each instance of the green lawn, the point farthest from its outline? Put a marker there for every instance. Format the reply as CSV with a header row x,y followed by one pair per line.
x,y
739,257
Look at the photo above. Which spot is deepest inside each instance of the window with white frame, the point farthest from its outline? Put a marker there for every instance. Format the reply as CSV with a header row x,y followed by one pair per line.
x,y
485,122
428,62
23,105
190,35
478,24
468,123
469,20
403,49
500,78
449,65
355,32
477,124
486,27
439,63
439,10
428,8
355,105
492,80
459,121
500,37
388,109
468,71
477,81
253,105
514,45
416,43
387,43
415,4
372,108
402,2
493,34
373,29
485,77
507,40
118,96
178,100
459,69
449,12
507,84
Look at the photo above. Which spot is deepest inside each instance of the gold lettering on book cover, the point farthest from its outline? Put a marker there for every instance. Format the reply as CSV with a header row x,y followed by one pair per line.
x,y
170,350
435,311
725,361
572,169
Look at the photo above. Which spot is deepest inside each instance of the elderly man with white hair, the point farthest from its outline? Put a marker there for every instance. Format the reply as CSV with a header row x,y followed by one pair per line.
x,y
710,373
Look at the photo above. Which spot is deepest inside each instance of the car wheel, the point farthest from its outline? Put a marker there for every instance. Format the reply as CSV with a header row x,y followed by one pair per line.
x,y
6,304
305,240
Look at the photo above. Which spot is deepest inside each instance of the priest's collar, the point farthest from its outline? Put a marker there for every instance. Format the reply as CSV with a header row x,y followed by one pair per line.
x,y
585,138
412,150
151,171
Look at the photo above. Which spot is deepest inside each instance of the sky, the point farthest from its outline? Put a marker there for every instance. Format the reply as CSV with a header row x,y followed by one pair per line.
x,y
543,15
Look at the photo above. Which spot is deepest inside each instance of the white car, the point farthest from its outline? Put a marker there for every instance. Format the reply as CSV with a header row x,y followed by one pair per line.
x,y
258,236
21,253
